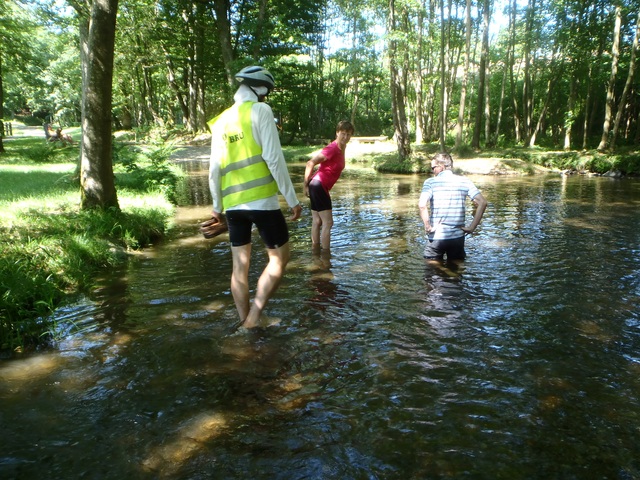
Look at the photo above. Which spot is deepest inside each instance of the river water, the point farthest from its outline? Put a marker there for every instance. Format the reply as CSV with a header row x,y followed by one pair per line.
x,y
523,362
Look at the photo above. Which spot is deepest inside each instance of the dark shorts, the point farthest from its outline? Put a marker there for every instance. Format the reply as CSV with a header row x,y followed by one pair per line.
x,y
453,248
270,223
320,199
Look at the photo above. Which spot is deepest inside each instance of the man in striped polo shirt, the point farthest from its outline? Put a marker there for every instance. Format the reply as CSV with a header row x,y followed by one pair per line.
x,y
442,209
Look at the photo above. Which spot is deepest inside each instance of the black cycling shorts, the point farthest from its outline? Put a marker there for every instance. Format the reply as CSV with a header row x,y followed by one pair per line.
x,y
271,225
320,199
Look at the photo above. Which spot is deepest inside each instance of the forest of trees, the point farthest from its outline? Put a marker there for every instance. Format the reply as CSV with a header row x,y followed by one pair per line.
x,y
555,73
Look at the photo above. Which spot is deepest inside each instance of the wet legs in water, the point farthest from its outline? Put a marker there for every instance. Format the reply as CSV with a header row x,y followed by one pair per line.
x,y
268,282
321,229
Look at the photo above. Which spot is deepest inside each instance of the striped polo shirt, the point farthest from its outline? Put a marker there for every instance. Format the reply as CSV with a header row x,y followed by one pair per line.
x,y
445,196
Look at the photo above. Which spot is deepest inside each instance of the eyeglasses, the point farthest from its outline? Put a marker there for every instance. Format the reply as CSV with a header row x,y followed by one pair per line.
x,y
434,167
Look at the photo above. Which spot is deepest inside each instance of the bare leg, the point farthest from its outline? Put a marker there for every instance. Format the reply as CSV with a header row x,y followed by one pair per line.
x,y
240,279
316,225
326,219
268,283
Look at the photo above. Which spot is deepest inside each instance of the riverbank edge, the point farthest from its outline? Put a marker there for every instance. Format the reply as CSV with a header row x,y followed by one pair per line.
x,y
52,251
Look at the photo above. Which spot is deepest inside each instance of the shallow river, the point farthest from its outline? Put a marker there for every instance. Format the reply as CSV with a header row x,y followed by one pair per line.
x,y
524,362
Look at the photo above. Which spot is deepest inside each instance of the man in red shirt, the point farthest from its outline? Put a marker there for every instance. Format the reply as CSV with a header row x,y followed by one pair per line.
x,y
317,184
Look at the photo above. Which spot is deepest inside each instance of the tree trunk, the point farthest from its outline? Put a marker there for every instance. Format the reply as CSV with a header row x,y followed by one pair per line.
x,y
397,92
482,71
1,105
96,168
259,33
443,84
534,132
517,129
487,107
570,114
465,77
554,76
527,90
151,97
496,135
615,54
627,86
221,8
355,73
171,77
419,84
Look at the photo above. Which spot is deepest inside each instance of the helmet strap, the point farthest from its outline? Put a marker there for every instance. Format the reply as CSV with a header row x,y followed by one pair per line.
x,y
261,98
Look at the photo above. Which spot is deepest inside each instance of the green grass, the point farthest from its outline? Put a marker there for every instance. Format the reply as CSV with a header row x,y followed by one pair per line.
x,y
50,249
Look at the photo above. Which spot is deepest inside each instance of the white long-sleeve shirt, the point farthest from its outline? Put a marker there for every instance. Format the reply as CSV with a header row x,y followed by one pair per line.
x,y
265,134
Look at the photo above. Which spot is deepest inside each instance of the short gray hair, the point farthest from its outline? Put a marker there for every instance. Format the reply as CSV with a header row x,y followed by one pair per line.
x,y
443,159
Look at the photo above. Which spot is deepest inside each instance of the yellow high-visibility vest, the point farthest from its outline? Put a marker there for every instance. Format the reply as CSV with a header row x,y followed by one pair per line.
x,y
244,174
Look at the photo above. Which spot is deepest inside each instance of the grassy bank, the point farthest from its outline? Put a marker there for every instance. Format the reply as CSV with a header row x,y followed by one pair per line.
x,y
51,250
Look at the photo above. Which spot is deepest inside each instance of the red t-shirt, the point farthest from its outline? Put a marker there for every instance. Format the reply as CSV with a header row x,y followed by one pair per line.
x,y
329,171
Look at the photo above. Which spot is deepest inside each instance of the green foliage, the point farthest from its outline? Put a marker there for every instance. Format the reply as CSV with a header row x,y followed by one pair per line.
x,y
391,163
43,256
464,151
630,163
50,249
147,169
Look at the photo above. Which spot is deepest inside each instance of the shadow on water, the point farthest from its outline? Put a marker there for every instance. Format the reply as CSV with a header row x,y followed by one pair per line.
x,y
522,362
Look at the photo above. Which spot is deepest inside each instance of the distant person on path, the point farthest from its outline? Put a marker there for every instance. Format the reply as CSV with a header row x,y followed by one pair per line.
x,y
246,172
64,137
442,209
317,184
49,133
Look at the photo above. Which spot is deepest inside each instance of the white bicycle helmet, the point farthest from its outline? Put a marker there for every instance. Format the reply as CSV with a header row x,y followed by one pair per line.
x,y
256,77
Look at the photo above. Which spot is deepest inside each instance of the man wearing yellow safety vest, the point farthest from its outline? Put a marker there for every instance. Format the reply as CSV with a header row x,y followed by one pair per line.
x,y
246,172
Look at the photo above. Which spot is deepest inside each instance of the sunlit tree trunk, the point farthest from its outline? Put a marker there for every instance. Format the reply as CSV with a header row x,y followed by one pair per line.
x,y
96,168
512,80
355,74
627,86
615,54
465,77
443,83
487,107
482,72
570,113
527,87
496,135
398,96
419,84
534,131
555,74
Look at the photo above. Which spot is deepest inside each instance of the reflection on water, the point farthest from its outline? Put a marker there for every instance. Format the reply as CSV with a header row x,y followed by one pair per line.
x,y
521,362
